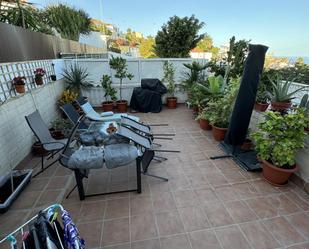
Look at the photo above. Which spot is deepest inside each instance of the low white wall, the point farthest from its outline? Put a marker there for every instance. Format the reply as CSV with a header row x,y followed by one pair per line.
x,y
140,68
16,136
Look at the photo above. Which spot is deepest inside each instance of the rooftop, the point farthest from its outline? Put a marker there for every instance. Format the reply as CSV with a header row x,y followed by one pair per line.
x,y
205,203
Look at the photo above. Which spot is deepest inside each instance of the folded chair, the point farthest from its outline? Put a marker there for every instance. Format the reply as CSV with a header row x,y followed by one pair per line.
x,y
41,132
73,116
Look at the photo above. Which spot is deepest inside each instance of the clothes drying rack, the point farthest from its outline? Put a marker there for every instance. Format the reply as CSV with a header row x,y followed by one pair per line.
x,y
11,237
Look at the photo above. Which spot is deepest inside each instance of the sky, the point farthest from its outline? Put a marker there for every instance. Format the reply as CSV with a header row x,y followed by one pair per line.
x,y
282,25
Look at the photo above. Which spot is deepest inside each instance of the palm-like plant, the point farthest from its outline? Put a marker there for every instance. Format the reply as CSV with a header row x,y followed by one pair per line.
x,y
76,77
281,90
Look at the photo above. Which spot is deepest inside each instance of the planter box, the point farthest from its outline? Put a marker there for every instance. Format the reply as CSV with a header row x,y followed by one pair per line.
x,y
20,178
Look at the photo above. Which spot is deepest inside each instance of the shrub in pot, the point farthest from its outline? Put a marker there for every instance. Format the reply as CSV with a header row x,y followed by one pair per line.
x,y
169,80
276,142
60,128
304,104
121,72
219,110
19,84
67,97
38,76
262,98
203,119
281,95
110,93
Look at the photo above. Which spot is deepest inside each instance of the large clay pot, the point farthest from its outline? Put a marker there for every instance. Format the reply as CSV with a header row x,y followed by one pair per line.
x,y
122,106
171,102
38,80
204,124
218,133
280,106
275,175
260,107
20,88
38,150
108,106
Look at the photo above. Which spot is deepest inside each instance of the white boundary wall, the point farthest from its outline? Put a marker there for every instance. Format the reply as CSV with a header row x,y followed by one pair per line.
x,y
140,68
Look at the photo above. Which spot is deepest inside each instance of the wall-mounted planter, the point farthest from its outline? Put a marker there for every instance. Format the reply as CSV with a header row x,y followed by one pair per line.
x,y
20,178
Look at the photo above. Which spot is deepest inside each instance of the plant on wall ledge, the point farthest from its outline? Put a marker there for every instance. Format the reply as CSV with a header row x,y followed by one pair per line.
x,y
169,80
76,77
119,64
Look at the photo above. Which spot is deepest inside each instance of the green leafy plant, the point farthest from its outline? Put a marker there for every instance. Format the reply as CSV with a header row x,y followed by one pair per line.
x,y
204,114
61,124
110,92
76,77
304,103
193,76
220,109
169,78
281,90
280,136
120,66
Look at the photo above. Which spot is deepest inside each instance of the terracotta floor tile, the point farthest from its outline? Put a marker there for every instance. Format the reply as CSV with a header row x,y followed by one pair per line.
x,y
36,184
232,237
262,207
146,244
185,198
234,177
122,246
164,201
300,246
264,187
117,208
91,233
284,232
139,205
143,227
258,236
179,183
302,203
26,200
300,222
245,190
217,214
58,182
204,239
175,242
92,211
193,218
206,195
226,193
216,179
49,197
240,211
11,220
116,231
283,205
169,223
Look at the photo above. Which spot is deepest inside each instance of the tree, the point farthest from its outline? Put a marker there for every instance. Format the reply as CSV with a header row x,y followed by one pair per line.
x,y
178,37
205,44
146,48
99,26
133,37
68,21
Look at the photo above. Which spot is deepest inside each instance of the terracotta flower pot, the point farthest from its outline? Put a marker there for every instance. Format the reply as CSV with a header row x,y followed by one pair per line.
x,y
38,80
122,105
204,124
38,150
280,106
218,133
195,109
171,102
275,175
20,88
108,106
56,134
260,107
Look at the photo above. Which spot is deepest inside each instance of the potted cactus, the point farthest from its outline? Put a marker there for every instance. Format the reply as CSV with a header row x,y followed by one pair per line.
x,y
38,76
19,84
110,93
277,140
121,72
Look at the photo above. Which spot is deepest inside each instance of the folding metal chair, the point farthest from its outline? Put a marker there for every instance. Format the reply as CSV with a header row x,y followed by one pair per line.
x,y
73,116
41,132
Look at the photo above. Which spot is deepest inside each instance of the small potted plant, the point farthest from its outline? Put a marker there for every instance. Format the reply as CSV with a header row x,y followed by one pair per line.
x,y
38,76
19,84
276,142
67,97
121,72
110,93
60,128
262,98
203,118
281,95
169,80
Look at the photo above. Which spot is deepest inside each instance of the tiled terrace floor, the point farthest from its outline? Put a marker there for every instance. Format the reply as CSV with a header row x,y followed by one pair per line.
x,y
205,205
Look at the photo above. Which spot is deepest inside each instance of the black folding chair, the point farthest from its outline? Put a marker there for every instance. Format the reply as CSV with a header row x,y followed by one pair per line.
x,y
73,116
41,132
